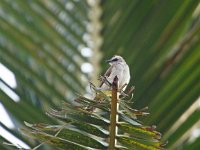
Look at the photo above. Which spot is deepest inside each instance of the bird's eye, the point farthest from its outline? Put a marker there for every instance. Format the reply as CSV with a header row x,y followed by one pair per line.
x,y
115,59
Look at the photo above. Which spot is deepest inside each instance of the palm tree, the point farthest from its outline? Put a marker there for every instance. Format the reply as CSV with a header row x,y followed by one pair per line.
x,y
55,47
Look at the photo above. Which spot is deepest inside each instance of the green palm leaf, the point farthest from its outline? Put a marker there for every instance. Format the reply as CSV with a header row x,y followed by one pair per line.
x,y
86,129
42,43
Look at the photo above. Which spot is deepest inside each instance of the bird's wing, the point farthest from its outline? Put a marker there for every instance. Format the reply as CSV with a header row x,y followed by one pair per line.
x,y
114,70
117,70
107,74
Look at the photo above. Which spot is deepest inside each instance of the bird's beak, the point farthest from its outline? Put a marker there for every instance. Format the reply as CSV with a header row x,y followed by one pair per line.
x,y
108,61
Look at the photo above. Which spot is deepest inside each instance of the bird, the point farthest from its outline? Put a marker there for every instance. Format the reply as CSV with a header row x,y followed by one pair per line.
x,y
118,67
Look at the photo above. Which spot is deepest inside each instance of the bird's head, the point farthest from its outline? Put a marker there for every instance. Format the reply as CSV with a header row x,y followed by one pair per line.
x,y
116,59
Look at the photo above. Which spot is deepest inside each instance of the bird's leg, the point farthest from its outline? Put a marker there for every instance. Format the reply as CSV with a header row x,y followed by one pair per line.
x,y
131,90
105,80
128,93
121,91
93,87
